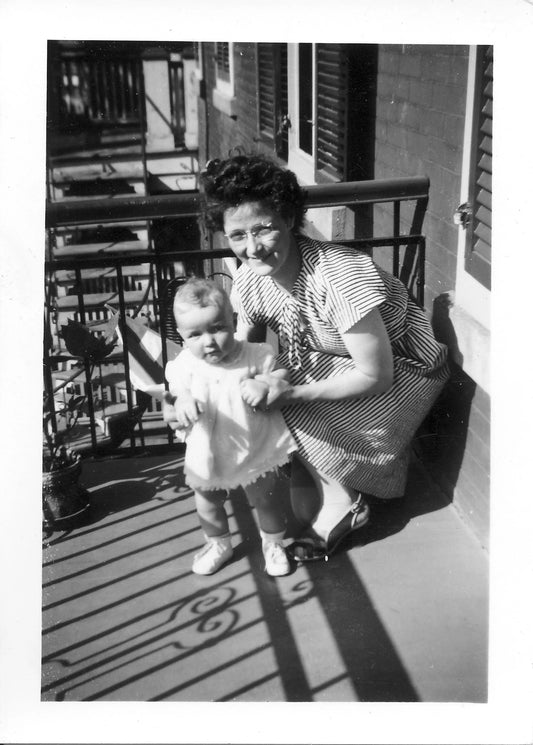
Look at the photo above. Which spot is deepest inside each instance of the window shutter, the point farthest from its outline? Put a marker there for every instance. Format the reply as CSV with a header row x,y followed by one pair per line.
x,y
222,60
331,110
267,84
273,96
346,79
478,258
282,108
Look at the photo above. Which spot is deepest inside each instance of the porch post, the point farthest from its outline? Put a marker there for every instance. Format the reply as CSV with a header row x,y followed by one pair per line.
x,y
159,135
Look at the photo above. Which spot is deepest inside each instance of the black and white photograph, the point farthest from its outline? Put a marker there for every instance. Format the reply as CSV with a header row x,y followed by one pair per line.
x,y
278,364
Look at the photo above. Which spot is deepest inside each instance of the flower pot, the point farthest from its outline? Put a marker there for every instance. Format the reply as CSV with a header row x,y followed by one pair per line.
x,y
63,497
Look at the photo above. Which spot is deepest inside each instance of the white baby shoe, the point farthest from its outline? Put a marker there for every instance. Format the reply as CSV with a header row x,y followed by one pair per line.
x,y
276,561
215,553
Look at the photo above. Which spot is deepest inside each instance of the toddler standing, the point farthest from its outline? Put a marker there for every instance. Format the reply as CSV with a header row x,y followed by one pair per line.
x,y
231,440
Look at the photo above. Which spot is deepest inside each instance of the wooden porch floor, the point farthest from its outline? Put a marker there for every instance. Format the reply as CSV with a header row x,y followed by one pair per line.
x,y
400,617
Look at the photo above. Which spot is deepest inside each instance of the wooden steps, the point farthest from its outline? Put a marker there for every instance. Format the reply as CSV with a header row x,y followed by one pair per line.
x,y
93,175
94,300
138,191
114,154
113,232
68,276
79,250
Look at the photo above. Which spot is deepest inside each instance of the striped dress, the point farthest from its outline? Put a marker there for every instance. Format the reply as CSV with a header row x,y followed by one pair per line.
x,y
362,443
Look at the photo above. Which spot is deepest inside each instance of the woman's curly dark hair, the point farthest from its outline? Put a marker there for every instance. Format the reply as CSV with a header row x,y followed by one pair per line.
x,y
251,178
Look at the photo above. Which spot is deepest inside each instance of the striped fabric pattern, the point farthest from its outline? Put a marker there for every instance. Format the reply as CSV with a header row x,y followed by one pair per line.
x,y
362,443
145,357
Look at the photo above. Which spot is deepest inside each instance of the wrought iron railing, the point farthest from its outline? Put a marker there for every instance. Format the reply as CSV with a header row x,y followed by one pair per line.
x,y
104,89
134,277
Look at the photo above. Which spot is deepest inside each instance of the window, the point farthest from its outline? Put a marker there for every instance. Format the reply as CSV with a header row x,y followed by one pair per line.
x,y
305,98
222,60
198,62
223,93
471,311
273,100
478,239
332,111
346,77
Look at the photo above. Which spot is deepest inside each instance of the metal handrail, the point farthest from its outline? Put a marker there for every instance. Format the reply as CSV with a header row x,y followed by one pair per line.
x,y
193,204
117,209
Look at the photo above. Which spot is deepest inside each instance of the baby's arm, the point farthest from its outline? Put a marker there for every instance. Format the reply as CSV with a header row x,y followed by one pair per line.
x,y
186,409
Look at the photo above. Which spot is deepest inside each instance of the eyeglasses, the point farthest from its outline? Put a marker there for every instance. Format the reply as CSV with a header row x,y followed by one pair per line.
x,y
264,232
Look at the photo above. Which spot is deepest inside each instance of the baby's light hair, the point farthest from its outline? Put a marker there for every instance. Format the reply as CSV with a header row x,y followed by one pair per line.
x,y
201,293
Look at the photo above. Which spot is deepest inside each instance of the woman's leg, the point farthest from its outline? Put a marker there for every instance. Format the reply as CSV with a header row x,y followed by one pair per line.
x,y
323,507
306,497
210,508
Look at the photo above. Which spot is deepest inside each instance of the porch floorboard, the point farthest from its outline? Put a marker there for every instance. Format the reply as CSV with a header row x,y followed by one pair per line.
x,y
402,616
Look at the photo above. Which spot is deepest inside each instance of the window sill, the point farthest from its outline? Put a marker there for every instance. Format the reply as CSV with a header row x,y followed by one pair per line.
x,y
224,102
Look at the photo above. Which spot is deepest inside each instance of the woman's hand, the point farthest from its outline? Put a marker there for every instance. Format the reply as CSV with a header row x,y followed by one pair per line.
x,y
372,372
278,389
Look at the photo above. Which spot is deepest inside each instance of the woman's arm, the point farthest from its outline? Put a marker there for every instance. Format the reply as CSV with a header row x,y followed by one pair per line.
x,y
369,347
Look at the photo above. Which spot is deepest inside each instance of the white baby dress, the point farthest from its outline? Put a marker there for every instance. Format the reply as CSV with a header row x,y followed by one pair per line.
x,y
230,444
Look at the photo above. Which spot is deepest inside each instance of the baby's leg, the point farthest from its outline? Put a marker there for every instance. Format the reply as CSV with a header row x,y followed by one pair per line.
x,y
265,495
210,508
214,521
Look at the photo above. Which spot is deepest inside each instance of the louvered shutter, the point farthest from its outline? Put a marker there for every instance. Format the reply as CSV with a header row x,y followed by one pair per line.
x,y
478,256
273,96
331,110
222,60
346,79
282,107
266,85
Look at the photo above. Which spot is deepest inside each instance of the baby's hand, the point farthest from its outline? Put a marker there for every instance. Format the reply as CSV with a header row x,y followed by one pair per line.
x,y
169,412
254,392
188,409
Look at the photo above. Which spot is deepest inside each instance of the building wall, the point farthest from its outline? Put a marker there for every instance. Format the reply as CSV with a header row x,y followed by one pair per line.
x,y
229,133
420,123
420,119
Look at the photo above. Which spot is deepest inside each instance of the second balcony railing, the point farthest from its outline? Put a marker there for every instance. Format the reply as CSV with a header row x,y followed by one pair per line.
x,y
119,258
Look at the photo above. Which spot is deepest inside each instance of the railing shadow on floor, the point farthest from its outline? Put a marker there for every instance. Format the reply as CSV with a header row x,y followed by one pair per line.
x,y
371,662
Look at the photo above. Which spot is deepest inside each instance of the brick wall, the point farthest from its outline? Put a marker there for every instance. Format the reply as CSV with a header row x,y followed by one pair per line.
x,y
420,108
228,133
420,121
454,445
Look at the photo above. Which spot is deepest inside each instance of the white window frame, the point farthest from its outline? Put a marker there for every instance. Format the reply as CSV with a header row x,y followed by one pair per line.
x,y
470,313
320,222
199,63
300,162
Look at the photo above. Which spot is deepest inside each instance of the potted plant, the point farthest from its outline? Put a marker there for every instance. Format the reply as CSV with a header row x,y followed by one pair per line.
x,y
63,497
